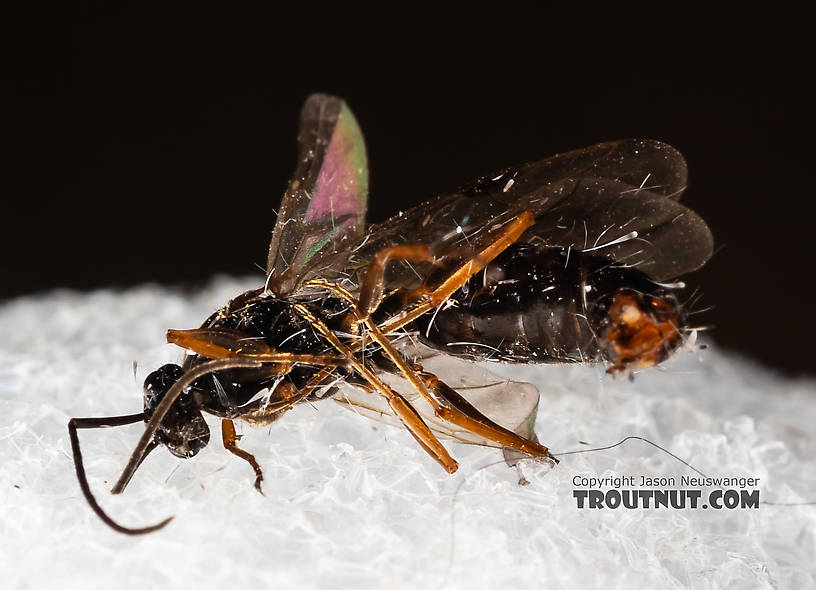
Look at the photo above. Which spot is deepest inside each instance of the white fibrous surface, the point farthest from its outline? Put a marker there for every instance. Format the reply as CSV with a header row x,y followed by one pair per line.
x,y
354,503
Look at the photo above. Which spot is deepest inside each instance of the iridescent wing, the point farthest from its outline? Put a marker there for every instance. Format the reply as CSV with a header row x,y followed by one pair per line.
x,y
323,211
584,199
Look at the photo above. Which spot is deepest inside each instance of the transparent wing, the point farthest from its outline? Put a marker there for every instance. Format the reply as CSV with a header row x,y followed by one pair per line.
x,y
669,239
323,211
511,404
583,199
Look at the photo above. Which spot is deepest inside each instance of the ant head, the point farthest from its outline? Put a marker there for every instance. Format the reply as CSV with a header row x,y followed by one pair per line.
x,y
183,430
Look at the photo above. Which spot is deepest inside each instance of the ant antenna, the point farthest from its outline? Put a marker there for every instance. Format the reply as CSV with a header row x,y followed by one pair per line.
x,y
646,440
106,422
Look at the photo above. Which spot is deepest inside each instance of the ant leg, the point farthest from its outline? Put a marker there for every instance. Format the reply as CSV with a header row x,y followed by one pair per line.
x,y
510,233
445,401
230,440
287,396
515,228
267,415
450,406
220,343
371,291
108,422
457,410
409,417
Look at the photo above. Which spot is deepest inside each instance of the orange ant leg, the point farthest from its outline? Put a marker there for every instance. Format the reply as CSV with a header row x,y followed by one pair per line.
x,y
409,417
445,401
220,343
287,396
371,291
510,233
230,440
457,410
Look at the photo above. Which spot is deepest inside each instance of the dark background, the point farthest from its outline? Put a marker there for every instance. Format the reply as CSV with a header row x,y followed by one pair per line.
x,y
141,145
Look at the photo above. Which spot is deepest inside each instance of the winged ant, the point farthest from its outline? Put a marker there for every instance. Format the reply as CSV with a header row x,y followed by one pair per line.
x,y
561,260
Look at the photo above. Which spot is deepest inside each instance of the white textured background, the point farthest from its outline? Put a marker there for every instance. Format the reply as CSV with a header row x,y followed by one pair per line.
x,y
351,503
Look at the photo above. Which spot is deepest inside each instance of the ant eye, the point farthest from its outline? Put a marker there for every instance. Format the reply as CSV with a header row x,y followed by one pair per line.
x,y
157,384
